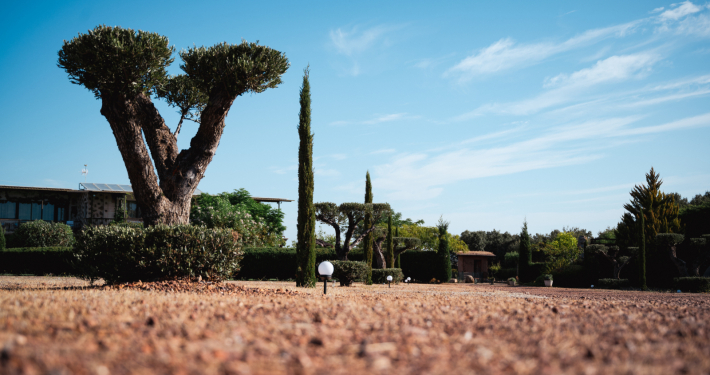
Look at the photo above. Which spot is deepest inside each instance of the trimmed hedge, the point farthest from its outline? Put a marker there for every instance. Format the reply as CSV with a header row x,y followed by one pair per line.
x,y
2,238
572,276
40,233
613,283
122,254
506,273
347,271
37,260
379,276
280,263
693,284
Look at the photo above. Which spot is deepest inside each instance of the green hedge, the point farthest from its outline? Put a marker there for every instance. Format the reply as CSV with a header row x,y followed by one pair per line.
x,y
40,233
693,284
506,273
280,263
572,276
379,276
37,260
347,271
612,283
121,254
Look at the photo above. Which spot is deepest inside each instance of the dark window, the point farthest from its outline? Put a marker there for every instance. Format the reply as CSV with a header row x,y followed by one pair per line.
x,y
133,210
8,210
48,212
25,211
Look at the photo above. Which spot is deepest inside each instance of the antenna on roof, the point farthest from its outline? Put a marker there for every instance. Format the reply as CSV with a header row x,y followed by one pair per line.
x,y
85,171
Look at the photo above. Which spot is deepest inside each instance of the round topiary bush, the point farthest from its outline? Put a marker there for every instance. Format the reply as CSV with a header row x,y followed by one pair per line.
x,y
41,233
347,271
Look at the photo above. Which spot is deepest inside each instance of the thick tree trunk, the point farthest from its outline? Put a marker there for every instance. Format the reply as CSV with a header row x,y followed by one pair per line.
x,y
164,197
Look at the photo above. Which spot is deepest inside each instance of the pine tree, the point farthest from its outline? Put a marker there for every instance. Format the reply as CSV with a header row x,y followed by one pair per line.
x,y
390,244
660,213
444,272
524,254
367,245
306,248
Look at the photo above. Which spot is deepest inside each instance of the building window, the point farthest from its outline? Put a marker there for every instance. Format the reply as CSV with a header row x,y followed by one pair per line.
x,y
134,212
25,211
37,211
8,210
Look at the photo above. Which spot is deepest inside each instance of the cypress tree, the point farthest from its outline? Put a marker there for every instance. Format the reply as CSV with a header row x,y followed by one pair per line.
x,y
368,243
2,238
642,253
399,256
444,273
524,253
306,248
389,257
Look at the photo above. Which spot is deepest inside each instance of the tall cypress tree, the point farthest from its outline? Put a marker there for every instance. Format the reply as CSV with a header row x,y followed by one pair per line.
x,y
642,253
399,256
444,272
389,257
306,248
524,253
368,243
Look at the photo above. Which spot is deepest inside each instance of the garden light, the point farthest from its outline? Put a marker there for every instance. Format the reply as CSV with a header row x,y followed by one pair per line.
x,y
389,279
325,269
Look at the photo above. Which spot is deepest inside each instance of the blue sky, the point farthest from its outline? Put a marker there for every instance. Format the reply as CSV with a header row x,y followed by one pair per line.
x,y
486,113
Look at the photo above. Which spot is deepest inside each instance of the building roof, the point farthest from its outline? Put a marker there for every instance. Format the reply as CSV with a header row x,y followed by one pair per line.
x,y
113,188
477,253
261,199
10,187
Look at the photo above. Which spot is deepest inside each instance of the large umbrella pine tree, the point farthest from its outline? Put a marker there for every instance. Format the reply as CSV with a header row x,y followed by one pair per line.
x,y
125,68
306,248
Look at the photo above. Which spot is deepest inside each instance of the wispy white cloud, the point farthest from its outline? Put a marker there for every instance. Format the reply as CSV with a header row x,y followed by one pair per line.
x,y
356,41
379,119
679,11
419,176
506,54
565,88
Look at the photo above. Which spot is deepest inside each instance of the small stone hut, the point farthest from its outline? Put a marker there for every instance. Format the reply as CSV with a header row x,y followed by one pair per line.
x,y
474,263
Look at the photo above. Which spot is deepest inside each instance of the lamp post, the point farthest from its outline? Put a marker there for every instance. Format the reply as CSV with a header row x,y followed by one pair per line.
x,y
409,279
389,281
325,269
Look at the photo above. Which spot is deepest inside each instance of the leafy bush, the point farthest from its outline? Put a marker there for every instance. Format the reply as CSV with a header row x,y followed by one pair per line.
x,y
505,273
379,276
547,277
2,238
347,271
122,254
693,284
37,260
128,224
258,224
613,283
511,259
561,252
41,233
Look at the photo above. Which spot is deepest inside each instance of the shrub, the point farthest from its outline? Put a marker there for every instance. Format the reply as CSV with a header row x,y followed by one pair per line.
x,y
41,233
572,276
693,284
379,276
122,254
613,283
347,271
505,273
512,279
547,277
36,260
127,224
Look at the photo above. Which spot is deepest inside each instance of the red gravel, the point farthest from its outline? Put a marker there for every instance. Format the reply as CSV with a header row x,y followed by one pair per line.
x,y
272,327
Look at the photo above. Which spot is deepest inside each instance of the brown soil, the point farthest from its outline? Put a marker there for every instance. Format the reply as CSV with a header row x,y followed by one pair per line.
x,y
61,326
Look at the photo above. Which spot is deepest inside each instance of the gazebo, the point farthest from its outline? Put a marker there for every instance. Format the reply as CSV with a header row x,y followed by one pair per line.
x,y
474,263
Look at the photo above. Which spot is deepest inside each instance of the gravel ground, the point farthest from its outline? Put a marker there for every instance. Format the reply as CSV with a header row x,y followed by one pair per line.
x,y
62,326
